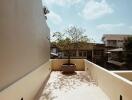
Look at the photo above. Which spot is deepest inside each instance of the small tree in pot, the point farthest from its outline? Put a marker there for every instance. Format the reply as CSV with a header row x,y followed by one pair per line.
x,y
77,37
73,38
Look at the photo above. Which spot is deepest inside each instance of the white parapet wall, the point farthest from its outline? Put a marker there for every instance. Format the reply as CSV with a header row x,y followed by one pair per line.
x,y
115,86
126,74
29,86
57,63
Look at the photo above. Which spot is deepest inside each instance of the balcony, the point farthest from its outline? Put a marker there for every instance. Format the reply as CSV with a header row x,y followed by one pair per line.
x,y
89,82
78,86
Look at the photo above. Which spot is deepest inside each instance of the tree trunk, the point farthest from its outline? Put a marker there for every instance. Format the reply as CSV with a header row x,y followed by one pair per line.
x,y
69,56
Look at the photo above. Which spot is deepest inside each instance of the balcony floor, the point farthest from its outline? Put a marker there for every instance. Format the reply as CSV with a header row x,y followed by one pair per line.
x,y
72,87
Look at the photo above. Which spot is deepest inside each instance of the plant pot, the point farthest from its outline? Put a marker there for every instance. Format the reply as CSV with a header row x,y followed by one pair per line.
x,y
68,68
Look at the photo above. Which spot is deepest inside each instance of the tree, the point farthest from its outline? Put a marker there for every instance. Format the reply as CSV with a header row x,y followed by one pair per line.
x,y
77,37
59,39
58,36
128,52
72,38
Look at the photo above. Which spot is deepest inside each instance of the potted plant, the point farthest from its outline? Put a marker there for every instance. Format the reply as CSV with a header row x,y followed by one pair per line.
x,y
68,67
73,38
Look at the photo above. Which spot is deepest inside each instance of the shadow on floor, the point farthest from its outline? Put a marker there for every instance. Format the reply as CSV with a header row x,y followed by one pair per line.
x,y
65,83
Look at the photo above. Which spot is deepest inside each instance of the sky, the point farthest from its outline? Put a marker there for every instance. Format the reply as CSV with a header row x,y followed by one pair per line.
x,y
97,17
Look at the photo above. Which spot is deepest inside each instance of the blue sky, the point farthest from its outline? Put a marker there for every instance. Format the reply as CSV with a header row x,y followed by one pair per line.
x,y
98,17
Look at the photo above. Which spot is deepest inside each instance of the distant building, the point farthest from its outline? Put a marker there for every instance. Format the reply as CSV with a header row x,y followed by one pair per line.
x,y
114,40
114,44
85,51
91,51
54,51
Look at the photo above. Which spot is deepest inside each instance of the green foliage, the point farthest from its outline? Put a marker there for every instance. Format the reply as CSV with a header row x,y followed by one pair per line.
x,y
77,37
58,36
76,34
72,37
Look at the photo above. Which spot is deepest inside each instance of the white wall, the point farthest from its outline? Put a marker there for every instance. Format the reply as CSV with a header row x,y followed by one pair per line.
x,y
23,39
113,85
29,86
125,74
57,63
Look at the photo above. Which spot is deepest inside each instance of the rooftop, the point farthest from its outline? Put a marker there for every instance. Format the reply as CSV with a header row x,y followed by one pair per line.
x,y
115,36
78,86
89,82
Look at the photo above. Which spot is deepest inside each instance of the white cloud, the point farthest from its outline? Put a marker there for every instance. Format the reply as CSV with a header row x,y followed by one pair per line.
x,y
110,26
60,2
130,27
95,9
54,18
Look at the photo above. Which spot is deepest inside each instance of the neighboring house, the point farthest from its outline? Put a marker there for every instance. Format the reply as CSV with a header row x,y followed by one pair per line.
x,y
114,40
84,51
114,48
116,57
54,51
98,54
91,51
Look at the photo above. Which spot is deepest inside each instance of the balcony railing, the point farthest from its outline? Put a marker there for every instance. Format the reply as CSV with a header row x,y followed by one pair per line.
x,y
113,85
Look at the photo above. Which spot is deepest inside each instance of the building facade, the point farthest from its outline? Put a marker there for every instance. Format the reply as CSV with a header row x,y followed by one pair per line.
x,y
114,48
114,40
90,51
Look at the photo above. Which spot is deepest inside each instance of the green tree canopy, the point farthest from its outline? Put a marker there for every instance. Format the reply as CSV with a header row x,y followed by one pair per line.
x,y
73,36
58,36
76,34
